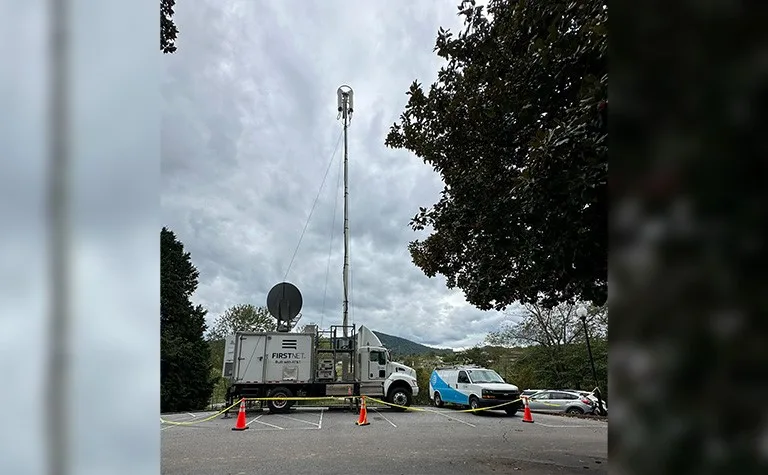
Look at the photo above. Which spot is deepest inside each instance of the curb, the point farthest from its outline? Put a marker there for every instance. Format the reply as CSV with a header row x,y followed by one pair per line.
x,y
593,417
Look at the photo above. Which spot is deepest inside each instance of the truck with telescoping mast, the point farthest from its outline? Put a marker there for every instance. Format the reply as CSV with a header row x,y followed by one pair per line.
x,y
310,363
343,361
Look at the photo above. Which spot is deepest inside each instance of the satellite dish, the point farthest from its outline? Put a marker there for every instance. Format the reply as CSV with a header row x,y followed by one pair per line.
x,y
284,303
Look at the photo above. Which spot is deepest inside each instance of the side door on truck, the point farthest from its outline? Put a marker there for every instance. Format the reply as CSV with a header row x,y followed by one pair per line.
x,y
377,365
250,352
373,372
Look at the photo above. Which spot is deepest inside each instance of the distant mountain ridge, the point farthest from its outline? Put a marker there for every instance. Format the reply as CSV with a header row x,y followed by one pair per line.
x,y
404,347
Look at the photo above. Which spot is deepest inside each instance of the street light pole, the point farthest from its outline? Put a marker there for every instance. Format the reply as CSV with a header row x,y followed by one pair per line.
x,y
582,315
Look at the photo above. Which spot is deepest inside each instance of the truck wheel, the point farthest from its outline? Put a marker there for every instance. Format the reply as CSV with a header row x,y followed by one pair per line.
x,y
438,400
279,406
401,397
511,411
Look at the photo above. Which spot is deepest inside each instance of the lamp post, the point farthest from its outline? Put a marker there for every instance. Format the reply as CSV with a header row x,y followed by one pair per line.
x,y
582,313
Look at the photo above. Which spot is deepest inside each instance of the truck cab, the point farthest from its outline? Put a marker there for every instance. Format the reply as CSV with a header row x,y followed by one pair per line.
x,y
379,375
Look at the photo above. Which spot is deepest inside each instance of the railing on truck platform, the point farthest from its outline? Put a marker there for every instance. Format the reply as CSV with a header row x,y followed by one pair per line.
x,y
335,347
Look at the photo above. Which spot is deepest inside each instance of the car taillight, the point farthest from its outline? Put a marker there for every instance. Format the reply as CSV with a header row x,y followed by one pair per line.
x,y
586,401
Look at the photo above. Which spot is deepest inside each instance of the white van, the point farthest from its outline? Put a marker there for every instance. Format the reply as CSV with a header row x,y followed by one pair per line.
x,y
472,386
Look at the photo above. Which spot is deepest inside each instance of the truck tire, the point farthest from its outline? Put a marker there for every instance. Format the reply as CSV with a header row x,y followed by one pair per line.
x,y
279,406
401,396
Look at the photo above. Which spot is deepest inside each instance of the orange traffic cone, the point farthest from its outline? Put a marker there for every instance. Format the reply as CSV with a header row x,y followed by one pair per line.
x,y
527,413
240,424
363,420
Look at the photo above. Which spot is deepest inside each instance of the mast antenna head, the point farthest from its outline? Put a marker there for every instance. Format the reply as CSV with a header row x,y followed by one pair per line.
x,y
345,95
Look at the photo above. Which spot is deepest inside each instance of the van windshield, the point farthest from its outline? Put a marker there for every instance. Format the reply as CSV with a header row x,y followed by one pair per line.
x,y
485,376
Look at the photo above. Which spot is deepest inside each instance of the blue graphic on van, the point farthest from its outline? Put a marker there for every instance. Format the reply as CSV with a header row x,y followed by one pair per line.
x,y
447,393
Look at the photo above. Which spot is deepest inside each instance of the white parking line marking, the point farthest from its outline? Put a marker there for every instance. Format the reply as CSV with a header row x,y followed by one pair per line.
x,y
265,423
320,424
174,425
454,418
255,418
298,420
385,417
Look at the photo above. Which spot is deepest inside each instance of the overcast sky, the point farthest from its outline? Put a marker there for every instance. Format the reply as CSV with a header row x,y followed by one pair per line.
x,y
249,129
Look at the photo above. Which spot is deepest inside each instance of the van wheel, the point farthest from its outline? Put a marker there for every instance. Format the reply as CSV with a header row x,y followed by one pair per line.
x,y
438,400
474,403
279,406
511,412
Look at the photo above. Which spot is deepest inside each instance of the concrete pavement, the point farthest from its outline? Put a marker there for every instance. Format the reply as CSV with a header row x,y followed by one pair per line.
x,y
315,441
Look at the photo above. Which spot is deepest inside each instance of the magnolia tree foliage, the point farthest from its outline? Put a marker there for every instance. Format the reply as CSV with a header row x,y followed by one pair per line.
x,y
515,126
168,29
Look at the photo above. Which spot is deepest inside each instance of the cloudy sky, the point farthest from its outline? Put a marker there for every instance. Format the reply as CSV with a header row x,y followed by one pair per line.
x,y
249,129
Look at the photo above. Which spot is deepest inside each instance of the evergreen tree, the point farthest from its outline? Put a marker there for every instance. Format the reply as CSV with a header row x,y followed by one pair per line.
x,y
185,374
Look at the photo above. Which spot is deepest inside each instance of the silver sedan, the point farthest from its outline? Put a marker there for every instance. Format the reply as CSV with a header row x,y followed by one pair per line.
x,y
561,401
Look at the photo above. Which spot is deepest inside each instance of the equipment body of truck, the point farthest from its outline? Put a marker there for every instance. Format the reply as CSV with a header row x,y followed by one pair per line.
x,y
310,364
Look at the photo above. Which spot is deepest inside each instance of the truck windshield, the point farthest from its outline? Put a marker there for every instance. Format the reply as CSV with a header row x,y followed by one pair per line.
x,y
485,376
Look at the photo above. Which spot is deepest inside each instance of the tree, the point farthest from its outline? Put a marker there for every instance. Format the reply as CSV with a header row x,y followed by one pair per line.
x,y
556,354
168,30
243,317
185,369
515,125
303,328
551,327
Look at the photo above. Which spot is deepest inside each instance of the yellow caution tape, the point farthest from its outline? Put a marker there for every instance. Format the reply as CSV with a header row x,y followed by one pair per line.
x,y
197,421
336,398
439,412
326,398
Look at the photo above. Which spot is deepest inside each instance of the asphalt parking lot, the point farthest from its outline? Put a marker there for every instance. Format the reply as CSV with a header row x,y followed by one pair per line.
x,y
317,441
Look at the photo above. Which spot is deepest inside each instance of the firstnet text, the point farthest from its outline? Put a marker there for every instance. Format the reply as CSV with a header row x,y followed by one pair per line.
x,y
285,356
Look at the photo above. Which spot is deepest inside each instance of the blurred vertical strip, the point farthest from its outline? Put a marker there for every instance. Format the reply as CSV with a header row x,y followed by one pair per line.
x,y
56,396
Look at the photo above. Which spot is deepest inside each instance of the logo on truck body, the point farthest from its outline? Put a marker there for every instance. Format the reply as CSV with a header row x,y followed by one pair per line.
x,y
285,356
288,357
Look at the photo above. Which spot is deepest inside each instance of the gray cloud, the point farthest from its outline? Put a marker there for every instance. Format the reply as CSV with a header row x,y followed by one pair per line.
x,y
249,126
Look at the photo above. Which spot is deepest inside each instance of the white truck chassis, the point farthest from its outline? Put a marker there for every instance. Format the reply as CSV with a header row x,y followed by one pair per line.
x,y
311,364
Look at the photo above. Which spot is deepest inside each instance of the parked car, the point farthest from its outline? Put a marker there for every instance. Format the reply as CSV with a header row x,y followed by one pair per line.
x,y
570,402
530,392
592,397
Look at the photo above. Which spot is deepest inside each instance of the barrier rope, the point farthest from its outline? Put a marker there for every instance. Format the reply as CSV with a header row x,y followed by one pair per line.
x,y
325,398
440,412
197,421
338,398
